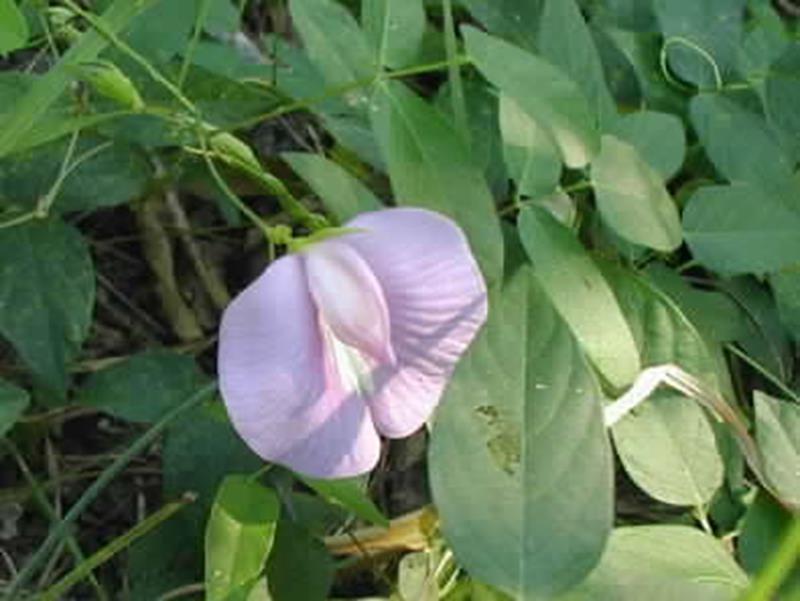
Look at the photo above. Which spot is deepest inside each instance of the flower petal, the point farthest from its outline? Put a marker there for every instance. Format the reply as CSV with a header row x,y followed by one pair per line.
x,y
349,298
281,395
437,302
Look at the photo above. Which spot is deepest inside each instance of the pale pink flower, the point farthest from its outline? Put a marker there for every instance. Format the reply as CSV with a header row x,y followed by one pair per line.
x,y
352,337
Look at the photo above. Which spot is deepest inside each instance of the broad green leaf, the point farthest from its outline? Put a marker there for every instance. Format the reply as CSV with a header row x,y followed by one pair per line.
x,y
13,402
395,29
46,296
514,20
115,173
581,295
143,387
531,511
333,42
662,563
14,30
778,437
565,41
762,531
532,159
430,167
786,287
633,15
782,96
299,567
667,445
740,143
239,535
658,137
348,493
742,229
702,38
632,199
542,90
341,193
47,89
765,38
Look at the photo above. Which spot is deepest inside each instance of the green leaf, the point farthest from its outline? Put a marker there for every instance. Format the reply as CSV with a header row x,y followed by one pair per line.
x,y
14,30
430,167
46,296
299,567
667,445
514,20
662,563
782,96
143,387
113,175
632,199
545,92
532,512
742,228
581,295
658,137
334,42
532,159
566,42
239,535
13,402
341,193
765,39
740,143
348,493
786,287
702,38
778,437
395,29
633,15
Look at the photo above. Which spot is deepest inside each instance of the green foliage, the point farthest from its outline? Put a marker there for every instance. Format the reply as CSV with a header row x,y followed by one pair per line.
x,y
14,30
395,29
778,436
523,391
13,402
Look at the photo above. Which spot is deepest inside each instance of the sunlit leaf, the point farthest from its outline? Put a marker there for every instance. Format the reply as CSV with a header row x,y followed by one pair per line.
x,y
658,137
239,536
778,437
14,30
531,513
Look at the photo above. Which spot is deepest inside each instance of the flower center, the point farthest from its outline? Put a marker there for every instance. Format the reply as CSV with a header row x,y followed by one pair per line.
x,y
354,368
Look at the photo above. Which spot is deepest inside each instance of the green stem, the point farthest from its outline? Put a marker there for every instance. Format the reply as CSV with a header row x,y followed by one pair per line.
x,y
775,380
57,591
202,14
91,493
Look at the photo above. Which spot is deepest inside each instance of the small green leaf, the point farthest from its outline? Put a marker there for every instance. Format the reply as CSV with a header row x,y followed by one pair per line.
x,y
632,199
143,387
778,437
581,295
430,167
334,42
341,193
14,30
666,445
13,402
348,493
395,29
545,92
658,137
531,513
239,535
662,563
46,296
532,158
742,228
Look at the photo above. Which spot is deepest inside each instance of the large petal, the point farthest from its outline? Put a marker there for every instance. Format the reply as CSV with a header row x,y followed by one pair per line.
x,y
275,378
437,303
349,299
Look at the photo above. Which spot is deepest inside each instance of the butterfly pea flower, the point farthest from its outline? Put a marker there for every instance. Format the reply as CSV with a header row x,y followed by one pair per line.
x,y
352,337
